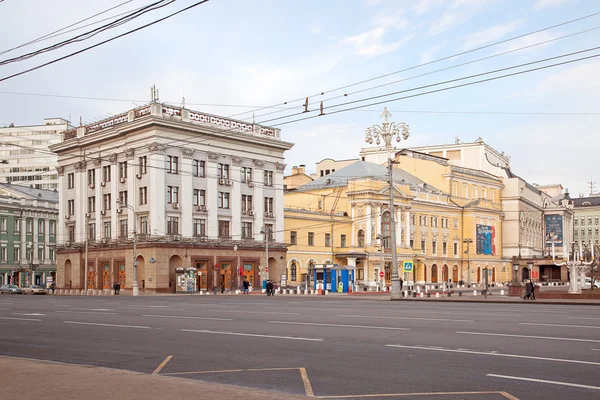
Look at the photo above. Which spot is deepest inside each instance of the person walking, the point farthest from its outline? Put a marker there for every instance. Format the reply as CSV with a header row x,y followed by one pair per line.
x,y
116,288
532,288
222,287
527,291
53,287
246,286
401,284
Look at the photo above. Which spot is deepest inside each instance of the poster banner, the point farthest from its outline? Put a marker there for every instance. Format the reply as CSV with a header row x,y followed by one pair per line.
x,y
554,230
486,238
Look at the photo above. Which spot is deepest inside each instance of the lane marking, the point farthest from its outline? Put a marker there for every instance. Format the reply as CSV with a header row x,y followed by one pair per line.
x,y
21,319
433,394
528,337
162,365
483,353
519,378
508,396
339,325
255,312
307,386
94,309
111,325
85,312
29,314
417,318
595,319
566,326
252,335
222,371
186,317
148,307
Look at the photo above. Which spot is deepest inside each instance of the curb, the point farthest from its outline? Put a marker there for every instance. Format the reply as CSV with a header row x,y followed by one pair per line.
x,y
446,300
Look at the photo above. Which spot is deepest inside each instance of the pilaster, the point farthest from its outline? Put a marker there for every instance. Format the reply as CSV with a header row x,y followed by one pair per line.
x,y
186,194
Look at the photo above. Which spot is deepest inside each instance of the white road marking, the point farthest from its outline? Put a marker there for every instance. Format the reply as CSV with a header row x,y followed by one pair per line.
x,y
21,319
150,307
484,353
62,305
253,335
255,312
86,312
94,309
339,325
595,319
112,325
529,337
186,317
417,318
566,326
519,378
30,314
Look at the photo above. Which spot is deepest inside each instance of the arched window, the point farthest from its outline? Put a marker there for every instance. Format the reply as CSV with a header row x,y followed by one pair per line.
x,y
385,229
293,271
361,238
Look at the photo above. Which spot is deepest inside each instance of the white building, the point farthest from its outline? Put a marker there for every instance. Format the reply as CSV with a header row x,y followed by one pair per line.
x,y
24,155
200,189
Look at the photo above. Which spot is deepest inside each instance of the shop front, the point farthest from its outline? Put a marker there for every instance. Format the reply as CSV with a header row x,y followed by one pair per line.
x,y
186,280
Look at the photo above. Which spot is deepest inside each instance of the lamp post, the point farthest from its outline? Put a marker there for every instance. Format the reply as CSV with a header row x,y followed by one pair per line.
x,y
468,241
380,237
515,280
266,230
575,264
386,132
135,287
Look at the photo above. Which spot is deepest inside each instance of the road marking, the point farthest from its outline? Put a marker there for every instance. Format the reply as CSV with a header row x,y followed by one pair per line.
x,y
185,317
483,353
518,378
595,319
528,337
222,371
112,325
424,319
94,309
253,335
86,312
21,319
566,326
307,386
339,325
162,365
433,394
255,312
146,307
4,309
29,314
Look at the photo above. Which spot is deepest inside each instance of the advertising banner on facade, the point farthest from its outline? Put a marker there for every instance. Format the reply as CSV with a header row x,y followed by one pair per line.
x,y
554,230
486,238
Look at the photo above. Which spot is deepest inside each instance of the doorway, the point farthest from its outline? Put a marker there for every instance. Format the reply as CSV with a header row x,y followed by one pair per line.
x,y
91,279
122,275
106,276
225,280
445,273
202,275
455,273
434,273
248,273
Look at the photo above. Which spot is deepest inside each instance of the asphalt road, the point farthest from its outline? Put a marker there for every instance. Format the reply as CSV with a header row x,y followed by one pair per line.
x,y
331,347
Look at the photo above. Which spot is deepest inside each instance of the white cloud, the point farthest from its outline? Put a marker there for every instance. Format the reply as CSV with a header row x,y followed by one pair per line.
x,y
490,34
425,6
371,43
549,3
430,54
315,29
459,12
530,40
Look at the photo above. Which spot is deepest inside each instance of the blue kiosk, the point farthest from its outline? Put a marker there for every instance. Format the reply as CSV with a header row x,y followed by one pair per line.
x,y
333,277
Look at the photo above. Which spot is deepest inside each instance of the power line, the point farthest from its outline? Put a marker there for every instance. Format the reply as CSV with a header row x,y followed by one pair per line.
x,y
101,43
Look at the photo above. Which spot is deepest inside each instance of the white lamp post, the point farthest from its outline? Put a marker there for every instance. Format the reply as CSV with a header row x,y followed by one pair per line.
x,y
386,132
135,288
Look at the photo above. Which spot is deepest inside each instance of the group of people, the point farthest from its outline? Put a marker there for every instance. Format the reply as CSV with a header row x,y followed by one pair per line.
x,y
530,290
270,288
117,288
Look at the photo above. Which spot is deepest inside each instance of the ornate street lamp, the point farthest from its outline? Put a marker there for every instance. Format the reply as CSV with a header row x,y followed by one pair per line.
x,y
135,287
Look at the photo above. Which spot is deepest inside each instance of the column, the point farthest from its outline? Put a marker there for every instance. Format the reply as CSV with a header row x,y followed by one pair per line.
x,y
212,191
131,191
352,267
186,193
47,260
259,199
378,229
157,190
407,228
34,242
398,218
353,233
235,199
81,191
278,206
368,226
23,239
60,224
114,189
99,201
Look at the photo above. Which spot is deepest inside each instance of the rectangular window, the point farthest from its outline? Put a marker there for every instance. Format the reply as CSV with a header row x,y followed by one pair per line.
x,y
52,255
41,227
71,233
144,195
106,173
422,245
17,225
91,231
52,227
455,249
412,243
3,254
293,238
269,205
29,226
445,248
172,225
199,168
246,174
413,219
434,247
223,171
224,229
269,228
71,206
144,225
106,201
3,224
200,227
246,230
17,252
123,170
327,240
268,178
223,200
199,197
173,165
246,204
342,240
143,162
123,228
172,194
91,206
41,254
434,222
311,238
71,180
107,228
123,198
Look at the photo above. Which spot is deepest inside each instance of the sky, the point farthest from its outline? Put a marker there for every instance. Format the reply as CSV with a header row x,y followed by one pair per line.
x,y
229,57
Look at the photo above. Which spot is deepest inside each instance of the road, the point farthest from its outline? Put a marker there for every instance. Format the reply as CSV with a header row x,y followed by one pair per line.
x,y
329,347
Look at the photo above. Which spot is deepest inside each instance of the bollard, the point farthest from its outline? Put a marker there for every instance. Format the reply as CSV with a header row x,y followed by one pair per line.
x,y
502,292
437,295
474,292
428,295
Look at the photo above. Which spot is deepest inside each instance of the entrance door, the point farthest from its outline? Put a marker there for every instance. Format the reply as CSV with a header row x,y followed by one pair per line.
x,y
248,273
202,275
445,273
434,273
478,274
122,275
106,277
91,280
225,275
455,273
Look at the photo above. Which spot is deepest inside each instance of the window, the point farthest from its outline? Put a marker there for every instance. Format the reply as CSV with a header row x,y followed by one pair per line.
x,y
269,229
106,200
199,227
172,194
53,255
71,206
246,174
91,206
107,230
71,233
123,198
246,204
199,197
123,170
91,231
143,162
3,224
413,219
41,254
144,195
106,173
423,220
311,238
455,223
268,178
293,238
361,238
412,243
71,180
3,256
224,229
434,247
327,240
123,228
173,165
41,227
293,271
223,200
172,225
17,225
29,226
422,245
434,222
269,205
144,225
342,240
445,223
445,248
199,168
223,171
455,248
17,252
246,230
52,227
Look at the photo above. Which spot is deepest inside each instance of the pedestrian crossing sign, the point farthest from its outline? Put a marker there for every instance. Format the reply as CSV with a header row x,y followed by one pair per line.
x,y
408,266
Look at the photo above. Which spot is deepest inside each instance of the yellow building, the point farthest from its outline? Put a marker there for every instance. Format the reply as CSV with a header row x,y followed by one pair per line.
x,y
344,218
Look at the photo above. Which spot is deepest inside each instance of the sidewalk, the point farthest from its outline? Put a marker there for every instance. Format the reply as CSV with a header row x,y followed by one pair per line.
x,y
54,380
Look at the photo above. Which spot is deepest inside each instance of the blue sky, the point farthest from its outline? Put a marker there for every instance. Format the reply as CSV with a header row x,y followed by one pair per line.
x,y
263,52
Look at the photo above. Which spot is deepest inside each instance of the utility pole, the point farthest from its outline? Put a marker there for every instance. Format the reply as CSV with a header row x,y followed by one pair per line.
x,y
468,241
85,278
266,230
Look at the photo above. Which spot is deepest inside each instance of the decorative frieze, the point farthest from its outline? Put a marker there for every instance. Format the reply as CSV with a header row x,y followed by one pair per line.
x,y
112,159
187,152
280,166
79,166
213,156
157,148
129,153
60,170
258,163
236,160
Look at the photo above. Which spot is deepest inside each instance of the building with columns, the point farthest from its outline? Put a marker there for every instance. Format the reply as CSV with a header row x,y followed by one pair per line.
x,y
194,191
28,218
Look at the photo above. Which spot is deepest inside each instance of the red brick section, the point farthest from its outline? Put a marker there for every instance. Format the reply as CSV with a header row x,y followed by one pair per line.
x,y
584,295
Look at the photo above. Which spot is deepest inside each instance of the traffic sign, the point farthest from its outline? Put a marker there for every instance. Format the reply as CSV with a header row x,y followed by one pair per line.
x,y
408,266
381,274
266,269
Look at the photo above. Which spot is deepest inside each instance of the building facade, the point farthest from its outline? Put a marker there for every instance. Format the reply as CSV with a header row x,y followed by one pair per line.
x,y
196,192
24,155
28,219
586,219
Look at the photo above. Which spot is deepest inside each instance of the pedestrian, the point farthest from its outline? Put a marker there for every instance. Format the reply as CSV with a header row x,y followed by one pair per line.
x,y
527,291
115,287
222,287
401,284
270,288
53,287
533,286
246,286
